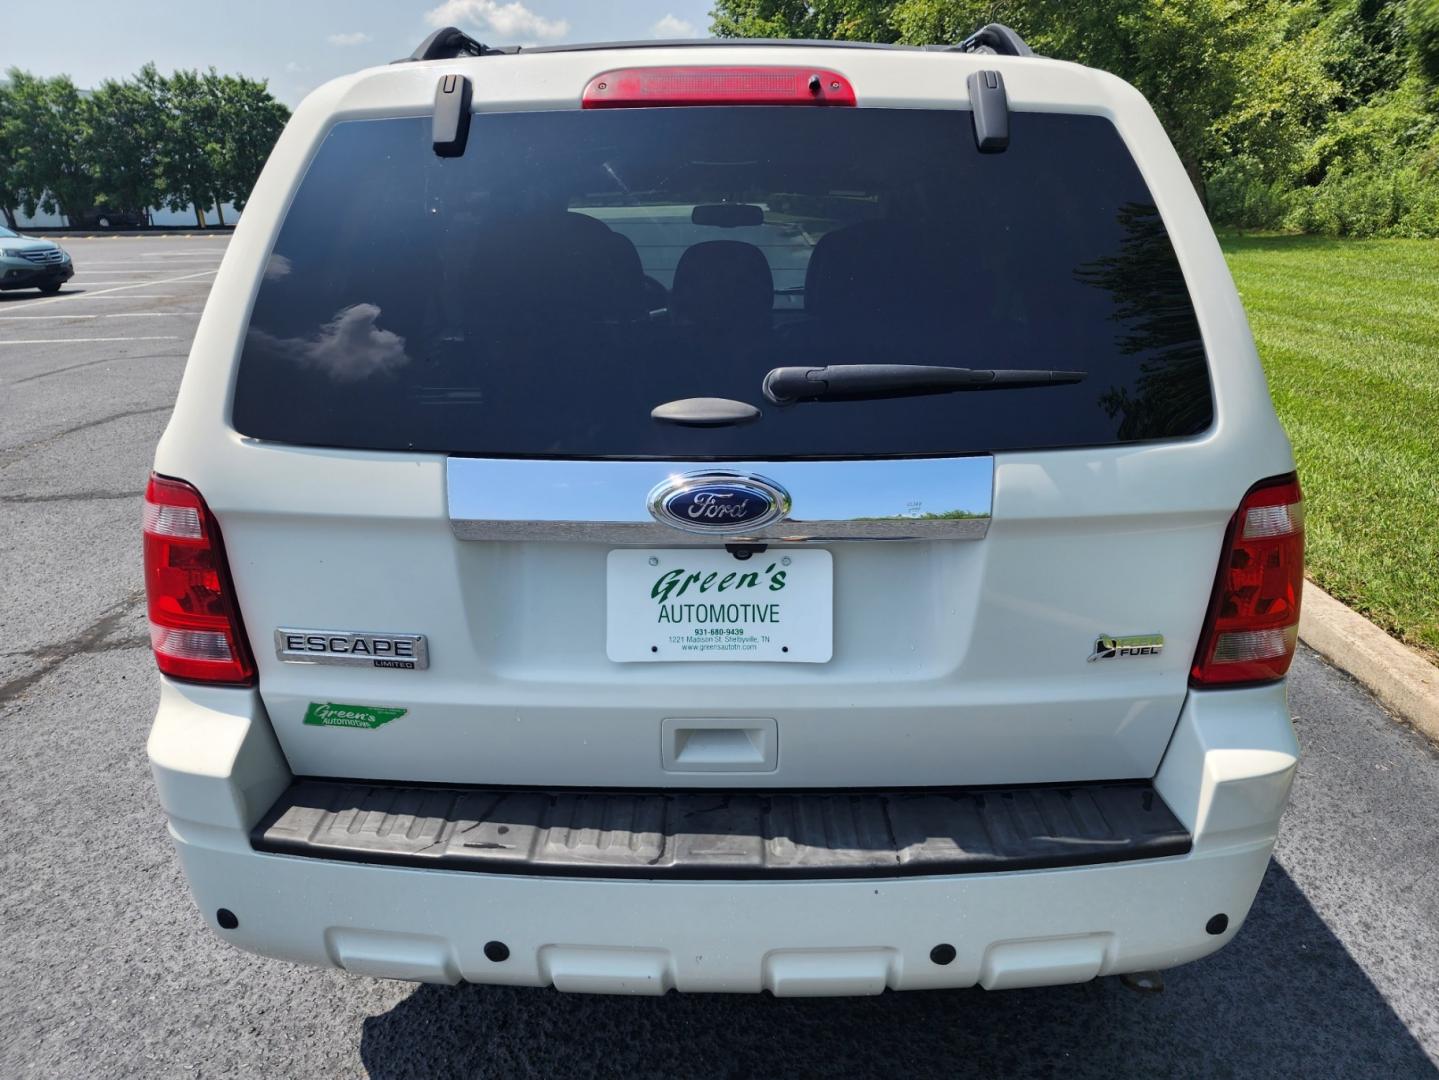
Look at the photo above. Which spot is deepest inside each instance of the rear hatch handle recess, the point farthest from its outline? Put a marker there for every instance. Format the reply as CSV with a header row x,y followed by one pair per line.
x,y
859,382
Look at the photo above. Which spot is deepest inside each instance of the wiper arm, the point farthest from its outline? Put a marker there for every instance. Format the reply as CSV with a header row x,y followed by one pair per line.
x,y
858,382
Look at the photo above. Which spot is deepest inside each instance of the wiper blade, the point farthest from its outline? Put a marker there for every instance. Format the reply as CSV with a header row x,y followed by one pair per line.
x,y
858,382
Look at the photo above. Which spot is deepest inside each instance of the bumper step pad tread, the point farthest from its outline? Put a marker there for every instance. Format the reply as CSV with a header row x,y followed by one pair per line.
x,y
729,835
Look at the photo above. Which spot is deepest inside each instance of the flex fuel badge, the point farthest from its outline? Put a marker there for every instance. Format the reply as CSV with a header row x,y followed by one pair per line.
x,y
333,714
1112,648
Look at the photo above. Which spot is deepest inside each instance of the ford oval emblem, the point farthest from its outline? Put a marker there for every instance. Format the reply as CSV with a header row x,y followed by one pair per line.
x,y
719,502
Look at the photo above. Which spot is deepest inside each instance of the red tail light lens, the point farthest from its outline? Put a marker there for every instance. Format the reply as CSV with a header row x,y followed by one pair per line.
x,y
1253,621
670,86
194,622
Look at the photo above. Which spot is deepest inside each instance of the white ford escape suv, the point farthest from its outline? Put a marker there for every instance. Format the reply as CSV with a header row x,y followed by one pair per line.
x,y
724,516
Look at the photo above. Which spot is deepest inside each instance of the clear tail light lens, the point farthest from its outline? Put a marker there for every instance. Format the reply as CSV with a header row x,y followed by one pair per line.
x,y
194,621
1253,622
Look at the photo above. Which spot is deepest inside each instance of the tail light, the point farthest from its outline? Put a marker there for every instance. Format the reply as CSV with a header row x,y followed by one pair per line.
x,y
1253,621
668,86
194,621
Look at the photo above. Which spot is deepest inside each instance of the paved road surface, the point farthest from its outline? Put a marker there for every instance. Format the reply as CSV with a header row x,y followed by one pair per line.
x,y
107,971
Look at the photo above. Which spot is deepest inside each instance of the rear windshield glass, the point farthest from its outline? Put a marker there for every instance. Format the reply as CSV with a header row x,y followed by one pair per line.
x,y
540,295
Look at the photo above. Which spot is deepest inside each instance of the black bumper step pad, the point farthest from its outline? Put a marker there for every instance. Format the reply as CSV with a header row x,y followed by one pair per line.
x,y
780,835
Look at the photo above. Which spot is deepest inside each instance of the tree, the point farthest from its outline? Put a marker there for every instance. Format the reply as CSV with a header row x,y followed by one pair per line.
x,y
45,128
126,121
1287,93
135,144
844,20
1177,52
1423,29
191,152
9,169
251,121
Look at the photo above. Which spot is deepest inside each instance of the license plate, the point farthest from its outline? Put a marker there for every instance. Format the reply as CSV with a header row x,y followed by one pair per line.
x,y
704,604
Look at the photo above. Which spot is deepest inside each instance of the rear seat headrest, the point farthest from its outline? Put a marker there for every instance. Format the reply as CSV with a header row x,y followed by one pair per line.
x,y
722,284
582,268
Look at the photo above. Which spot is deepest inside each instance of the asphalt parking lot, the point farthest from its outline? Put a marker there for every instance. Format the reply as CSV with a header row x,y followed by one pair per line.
x,y
106,970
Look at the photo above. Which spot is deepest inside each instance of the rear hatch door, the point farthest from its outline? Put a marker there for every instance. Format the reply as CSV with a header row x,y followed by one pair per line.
x,y
445,410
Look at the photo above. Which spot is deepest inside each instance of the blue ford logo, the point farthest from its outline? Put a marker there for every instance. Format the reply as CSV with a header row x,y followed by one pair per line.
x,y
719,502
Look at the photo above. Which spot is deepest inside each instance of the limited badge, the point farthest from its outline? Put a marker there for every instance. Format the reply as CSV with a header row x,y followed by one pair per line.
x,y
366,717
408,652
1112,648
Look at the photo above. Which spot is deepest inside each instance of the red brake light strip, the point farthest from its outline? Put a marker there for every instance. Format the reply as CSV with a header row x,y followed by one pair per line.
x,y
677,86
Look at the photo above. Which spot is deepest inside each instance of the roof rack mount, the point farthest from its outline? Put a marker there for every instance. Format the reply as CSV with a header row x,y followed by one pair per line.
x,y
996,39
448,43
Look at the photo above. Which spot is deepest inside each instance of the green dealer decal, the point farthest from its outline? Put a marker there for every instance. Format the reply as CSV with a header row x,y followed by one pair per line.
x,y
333,714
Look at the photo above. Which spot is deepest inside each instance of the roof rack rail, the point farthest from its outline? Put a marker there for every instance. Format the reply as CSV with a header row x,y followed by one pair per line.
x,y
448,43
996,38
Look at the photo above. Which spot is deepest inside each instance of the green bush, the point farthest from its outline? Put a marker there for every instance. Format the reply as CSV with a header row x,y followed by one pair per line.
x,y
1240,196
1401,203
1373,171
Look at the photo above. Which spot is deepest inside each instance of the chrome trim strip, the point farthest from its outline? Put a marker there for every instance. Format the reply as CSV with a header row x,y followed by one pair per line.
x,y
606,501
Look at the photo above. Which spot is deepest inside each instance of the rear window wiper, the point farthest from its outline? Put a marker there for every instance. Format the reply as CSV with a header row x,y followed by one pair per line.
x,y
858,382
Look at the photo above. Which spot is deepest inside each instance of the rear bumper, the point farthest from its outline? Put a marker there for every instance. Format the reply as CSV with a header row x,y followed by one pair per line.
x,y
1226,776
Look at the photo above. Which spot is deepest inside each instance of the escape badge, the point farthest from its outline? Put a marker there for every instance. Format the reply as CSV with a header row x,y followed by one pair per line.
x,y
407,652
1113,648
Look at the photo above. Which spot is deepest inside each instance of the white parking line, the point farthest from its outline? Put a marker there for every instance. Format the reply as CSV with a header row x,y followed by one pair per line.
x,y
131,262
173,259
77,283
81,283
107,286
110,315
110,289
87,340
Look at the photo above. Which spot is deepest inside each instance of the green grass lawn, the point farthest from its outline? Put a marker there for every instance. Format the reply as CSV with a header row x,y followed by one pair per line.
x,y
1349,334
